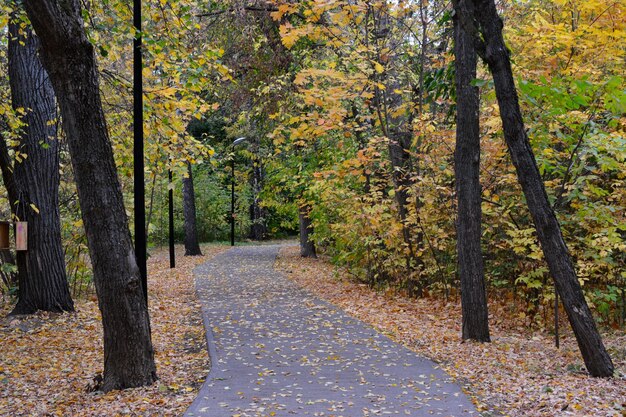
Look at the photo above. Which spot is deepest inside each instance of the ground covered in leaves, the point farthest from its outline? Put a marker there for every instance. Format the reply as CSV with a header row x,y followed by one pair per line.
x,y
519,374
48,361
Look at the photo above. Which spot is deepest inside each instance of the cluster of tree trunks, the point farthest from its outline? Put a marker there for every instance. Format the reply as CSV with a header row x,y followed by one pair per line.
x,y
258,227
479,21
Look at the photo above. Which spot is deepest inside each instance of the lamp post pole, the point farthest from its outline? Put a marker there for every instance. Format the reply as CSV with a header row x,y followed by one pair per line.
x,y
232,201
232,190
170,203
138,164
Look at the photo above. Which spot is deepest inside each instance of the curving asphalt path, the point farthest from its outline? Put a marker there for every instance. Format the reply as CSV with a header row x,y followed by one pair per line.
x,y
277,350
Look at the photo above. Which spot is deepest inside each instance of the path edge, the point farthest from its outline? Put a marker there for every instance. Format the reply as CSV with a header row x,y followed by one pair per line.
x,y
210,341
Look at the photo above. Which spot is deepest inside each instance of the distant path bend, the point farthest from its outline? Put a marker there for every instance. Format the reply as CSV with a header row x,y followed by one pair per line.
x,y
277,350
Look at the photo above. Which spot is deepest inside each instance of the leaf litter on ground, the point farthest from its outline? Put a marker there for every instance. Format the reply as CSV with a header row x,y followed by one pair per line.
x,y
48,361
519,374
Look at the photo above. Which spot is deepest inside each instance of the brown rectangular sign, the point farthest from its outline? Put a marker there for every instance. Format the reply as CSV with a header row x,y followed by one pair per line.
x,y
21,236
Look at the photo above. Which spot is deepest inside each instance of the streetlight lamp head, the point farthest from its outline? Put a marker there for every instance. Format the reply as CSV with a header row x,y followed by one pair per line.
x,y
239,140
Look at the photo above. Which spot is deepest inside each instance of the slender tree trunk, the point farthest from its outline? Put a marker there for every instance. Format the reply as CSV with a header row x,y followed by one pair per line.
x,y
397,126
399,133
467,171
151,205
192,247
555,251
258,229
69,58
307,247
33,184
399,144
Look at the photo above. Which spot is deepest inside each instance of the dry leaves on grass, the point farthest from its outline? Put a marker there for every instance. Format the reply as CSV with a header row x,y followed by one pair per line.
x,y
48,360
519,374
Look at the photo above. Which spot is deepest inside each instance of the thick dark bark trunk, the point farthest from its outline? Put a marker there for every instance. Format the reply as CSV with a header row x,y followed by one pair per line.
x,y
33,186
467,171
258,228
548,229
192,247
307,247
69,58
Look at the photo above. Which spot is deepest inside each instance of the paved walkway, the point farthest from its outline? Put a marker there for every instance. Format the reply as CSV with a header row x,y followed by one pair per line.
x,y
276,350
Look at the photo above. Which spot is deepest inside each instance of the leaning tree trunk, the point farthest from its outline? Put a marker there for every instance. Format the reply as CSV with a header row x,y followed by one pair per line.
x,y
307,247
69,58
33,182
192,247
555,251
467,172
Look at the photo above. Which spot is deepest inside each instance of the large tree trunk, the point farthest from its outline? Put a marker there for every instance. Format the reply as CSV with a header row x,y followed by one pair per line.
x,y
33,182
69,58
307,247
467,172
192,247
548,229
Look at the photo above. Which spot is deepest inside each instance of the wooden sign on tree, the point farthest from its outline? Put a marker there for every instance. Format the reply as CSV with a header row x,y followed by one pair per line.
x,y
21,236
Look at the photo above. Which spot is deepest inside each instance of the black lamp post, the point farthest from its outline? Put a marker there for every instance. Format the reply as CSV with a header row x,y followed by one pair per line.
x,y
232,190
138,164
170,204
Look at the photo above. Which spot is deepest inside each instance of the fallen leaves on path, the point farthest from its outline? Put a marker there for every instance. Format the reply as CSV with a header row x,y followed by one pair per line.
x,y
519,374
48,360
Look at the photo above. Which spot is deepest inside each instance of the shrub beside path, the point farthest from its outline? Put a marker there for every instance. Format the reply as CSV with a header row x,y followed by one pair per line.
x,y
277,350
